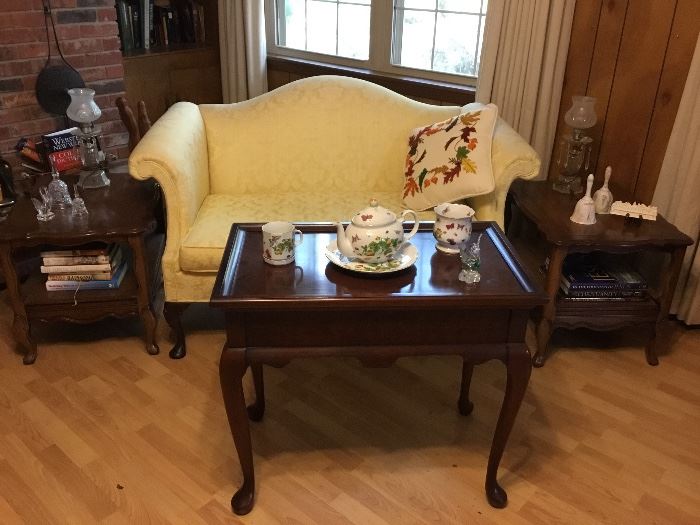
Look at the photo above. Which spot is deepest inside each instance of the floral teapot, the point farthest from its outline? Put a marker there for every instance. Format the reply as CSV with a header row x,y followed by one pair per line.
x,y
375,234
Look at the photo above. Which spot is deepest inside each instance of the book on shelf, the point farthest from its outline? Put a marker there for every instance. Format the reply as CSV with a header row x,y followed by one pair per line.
x,y
610,293
62,148
598,273
124,24
86,268
112,283
67,260
100,276
88,249
145,24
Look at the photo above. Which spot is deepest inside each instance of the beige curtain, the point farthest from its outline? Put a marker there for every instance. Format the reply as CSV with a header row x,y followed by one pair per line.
x,y
678,190
243,49
523,59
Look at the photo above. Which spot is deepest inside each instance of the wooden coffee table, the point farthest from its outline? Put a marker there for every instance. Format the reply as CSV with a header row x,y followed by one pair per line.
x,y
125,212
314,309
549,211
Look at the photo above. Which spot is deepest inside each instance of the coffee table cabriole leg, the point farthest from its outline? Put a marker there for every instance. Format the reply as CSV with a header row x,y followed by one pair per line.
x,y
549,311
232,367
256,411
20,324
518,366
464,404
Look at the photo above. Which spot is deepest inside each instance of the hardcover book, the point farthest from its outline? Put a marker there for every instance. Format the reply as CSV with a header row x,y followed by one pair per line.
x,y
62,149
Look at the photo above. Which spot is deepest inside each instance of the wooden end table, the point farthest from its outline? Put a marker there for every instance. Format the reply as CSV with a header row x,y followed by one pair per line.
x,y
549,211
313,308
125,212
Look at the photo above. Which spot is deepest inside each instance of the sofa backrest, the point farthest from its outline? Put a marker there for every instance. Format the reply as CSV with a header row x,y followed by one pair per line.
x,y
320,134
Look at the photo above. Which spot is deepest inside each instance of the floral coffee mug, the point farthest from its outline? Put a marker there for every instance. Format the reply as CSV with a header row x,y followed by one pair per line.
x,y
279,242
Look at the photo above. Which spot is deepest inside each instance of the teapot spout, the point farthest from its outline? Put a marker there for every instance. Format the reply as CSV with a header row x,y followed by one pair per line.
x,y
342,242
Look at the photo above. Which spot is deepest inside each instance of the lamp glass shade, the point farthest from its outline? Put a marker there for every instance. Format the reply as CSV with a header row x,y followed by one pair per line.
x,y
581,114
83,108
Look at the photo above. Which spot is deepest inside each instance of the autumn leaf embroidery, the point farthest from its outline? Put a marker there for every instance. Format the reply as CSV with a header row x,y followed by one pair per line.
x,y
462,144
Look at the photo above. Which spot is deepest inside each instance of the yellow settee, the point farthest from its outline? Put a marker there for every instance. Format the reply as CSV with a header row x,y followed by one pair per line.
x,y
313,150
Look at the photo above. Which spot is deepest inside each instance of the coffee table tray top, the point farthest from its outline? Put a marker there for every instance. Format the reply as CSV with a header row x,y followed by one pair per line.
x,y
314,282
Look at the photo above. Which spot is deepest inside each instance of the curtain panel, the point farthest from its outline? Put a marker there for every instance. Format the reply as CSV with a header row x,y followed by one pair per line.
x,y
243,49
526,43
678,190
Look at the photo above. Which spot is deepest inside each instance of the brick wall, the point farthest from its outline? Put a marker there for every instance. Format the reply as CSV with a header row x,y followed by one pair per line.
x,y
88,35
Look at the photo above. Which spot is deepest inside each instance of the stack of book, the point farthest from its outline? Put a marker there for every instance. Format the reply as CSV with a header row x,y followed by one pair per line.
x,y
586,277
90,268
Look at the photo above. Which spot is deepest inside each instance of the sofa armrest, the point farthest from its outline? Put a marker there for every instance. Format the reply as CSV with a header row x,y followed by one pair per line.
x,y
512,158
174,153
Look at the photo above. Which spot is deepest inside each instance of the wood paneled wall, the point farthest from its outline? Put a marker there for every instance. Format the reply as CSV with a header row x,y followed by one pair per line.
x,y
633,56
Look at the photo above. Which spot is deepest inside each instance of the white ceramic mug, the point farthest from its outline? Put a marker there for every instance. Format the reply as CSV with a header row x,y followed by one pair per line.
x,y
279,242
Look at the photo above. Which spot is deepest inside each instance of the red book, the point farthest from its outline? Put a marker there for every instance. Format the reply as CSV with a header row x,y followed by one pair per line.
x,y
62,149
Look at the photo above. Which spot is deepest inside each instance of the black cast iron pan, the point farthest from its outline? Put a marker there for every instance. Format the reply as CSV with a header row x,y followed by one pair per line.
x,y
57,76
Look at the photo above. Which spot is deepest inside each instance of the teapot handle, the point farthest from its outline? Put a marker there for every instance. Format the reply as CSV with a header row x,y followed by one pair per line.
x,y
415,223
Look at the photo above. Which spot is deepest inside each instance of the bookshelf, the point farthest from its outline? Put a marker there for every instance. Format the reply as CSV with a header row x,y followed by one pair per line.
x,y
185,67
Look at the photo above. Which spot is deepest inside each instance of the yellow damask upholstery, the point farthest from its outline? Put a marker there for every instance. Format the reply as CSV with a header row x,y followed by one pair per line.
x,y
313,150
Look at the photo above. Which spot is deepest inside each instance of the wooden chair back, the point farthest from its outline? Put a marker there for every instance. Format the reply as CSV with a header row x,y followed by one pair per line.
x,y
138,125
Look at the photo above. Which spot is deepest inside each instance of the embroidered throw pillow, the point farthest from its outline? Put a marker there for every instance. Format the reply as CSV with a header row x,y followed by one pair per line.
x,y
450,160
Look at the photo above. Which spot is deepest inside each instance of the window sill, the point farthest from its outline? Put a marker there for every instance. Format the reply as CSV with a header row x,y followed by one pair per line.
x,y
411,87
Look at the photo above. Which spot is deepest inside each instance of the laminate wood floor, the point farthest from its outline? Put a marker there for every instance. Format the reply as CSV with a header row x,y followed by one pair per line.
x,y
97,431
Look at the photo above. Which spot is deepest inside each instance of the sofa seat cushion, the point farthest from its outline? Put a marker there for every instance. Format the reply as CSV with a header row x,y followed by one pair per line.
x,y
203,247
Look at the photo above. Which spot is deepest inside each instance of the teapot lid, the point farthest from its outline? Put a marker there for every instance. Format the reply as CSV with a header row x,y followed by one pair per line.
x,y
373,215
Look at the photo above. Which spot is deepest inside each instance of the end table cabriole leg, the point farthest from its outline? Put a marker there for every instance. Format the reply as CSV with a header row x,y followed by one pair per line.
x,y
232,367
544,327
518,366
20,323
256,411
667,289
173,316
464,404
143,296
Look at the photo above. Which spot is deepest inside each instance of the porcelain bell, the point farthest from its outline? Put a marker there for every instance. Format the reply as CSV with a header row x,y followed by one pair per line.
x,y
603,198
375,235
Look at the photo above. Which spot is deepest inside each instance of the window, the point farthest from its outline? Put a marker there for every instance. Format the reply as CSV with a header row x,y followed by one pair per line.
x,y
436,39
